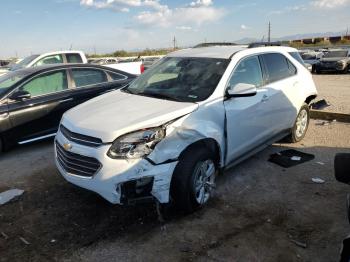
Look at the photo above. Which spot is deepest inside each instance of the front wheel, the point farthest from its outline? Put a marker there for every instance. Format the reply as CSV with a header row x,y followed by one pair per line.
x,y
194,179
301,124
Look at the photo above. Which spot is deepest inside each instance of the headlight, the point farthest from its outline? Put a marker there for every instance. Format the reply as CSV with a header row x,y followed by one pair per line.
x,y
137,144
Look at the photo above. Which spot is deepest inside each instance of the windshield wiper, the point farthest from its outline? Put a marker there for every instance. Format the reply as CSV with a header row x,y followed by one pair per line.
x,y
158,95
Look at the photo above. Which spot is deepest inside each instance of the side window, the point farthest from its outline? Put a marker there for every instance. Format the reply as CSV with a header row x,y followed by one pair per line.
x,y
88,76
292,68
48,83
116,76
47,60
74,58
277,66
248,71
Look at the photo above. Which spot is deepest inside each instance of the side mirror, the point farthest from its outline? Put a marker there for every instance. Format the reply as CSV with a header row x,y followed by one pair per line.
x,y
342,167
241,90
20,95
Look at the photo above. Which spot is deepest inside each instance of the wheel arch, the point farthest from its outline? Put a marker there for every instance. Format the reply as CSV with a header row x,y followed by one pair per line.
x,y
310,98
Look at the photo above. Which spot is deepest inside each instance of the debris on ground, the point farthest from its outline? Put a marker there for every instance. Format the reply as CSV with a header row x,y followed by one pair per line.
x,y
299,244
24,241
8,195
319,105
4,235
318,180
320,163
290,157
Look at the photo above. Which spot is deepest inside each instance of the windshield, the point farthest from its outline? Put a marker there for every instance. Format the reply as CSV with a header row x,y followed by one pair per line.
x,y
297,57
180,79
341,53
8,80
23,63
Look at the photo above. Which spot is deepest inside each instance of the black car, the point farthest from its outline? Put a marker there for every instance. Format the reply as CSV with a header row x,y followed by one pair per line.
x,y
33,100
334,61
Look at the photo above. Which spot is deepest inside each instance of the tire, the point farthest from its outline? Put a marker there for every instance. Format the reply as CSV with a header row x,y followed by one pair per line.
x,y
1,146
188,173
301,125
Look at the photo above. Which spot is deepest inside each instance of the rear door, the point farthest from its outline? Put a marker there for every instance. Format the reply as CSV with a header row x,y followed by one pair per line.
x,y
91,82
247,117
40,115
282,85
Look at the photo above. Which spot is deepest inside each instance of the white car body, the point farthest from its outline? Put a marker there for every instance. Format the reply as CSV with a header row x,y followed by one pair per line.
x,y
135,68
40,59
239,126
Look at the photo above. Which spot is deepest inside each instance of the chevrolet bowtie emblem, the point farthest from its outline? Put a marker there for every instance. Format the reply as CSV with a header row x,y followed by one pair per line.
x,y
67,146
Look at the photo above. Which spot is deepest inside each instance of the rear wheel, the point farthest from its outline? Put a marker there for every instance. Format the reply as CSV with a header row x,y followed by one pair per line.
x,y
194,179
301,124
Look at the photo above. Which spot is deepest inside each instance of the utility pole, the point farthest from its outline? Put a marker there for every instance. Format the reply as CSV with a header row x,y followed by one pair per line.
x,y
95,50
174,43
269,33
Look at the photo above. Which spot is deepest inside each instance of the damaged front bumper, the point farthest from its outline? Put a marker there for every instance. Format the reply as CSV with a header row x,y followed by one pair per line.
x,y
119,181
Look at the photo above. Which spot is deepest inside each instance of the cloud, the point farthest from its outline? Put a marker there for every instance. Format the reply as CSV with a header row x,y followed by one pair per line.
x,y
122,5
329,4
185,28
244,27
289,9
201,3
189,15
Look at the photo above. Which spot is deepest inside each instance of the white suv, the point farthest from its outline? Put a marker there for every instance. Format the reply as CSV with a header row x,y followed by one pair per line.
x,y
196,112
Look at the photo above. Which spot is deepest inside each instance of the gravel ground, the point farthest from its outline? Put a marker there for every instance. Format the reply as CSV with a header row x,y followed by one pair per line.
x,y
259,212
336,90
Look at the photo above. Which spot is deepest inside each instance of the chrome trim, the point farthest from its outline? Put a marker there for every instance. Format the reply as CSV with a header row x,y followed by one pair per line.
x,y
35,139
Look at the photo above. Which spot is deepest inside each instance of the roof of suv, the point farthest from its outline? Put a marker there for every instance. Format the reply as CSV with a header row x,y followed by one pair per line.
x,y
224,52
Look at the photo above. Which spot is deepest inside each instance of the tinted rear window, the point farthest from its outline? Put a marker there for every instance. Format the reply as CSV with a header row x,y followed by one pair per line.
x,y
277,66
87,76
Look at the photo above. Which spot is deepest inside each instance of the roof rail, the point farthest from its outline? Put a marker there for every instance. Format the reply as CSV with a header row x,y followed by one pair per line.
x,y
214,44
262,44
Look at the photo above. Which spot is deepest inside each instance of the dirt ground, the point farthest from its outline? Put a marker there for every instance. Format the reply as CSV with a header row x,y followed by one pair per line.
x,y
260,212
336,90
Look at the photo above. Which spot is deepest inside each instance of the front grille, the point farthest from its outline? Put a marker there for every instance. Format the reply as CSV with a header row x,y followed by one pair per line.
x,y
76,164
80,139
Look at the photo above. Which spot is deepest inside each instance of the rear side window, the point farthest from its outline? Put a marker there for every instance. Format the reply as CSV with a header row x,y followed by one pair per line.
x,y
46,84
74,58
87,76
48,60
278,67
248,71
116,76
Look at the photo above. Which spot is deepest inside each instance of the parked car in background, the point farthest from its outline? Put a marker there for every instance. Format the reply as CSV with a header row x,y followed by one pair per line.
x,y
312,58
32,100
149,61
334,61
60,57
193,114
105,61
133,67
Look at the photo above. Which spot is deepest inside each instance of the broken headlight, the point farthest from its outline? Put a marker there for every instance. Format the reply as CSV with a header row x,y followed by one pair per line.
x,y
137,144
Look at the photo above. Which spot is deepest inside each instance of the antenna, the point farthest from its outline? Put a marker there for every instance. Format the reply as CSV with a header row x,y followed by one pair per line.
x,y
269,33
174,42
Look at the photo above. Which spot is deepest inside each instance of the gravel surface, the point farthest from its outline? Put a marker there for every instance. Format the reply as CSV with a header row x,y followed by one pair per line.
x,y
260,212
335,88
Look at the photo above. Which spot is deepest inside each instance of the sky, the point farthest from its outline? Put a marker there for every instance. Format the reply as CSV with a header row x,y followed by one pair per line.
x,y
37,26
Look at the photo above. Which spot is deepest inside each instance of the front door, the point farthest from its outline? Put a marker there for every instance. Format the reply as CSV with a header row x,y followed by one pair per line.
x,y
40,115
246,117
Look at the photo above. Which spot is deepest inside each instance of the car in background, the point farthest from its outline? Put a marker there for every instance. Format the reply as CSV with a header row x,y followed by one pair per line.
x,y
149,61
193,114
105,61
60,57
32,100
334,61
312,58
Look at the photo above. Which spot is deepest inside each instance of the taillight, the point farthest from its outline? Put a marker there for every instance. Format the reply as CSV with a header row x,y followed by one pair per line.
x,y
142,68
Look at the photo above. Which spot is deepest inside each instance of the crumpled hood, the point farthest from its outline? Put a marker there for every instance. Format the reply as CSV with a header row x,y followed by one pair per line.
x,y
116,113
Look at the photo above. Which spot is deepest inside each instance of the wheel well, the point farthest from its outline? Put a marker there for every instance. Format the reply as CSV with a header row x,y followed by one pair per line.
x,y
309,99
209,143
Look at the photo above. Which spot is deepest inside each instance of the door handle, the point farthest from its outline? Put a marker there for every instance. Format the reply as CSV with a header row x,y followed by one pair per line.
x,y
66,100
264,98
